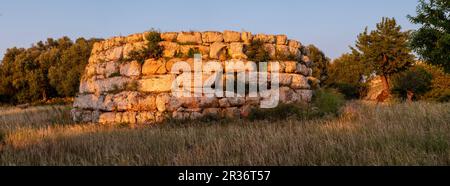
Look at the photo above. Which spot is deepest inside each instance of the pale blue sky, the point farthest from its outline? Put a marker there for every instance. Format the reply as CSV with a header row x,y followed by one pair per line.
x,y
332,25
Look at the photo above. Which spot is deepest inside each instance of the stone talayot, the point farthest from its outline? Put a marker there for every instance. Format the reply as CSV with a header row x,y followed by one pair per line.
x,y
117,89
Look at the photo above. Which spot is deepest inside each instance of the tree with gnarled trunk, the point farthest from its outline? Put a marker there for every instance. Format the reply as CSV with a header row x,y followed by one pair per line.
x,y
385,50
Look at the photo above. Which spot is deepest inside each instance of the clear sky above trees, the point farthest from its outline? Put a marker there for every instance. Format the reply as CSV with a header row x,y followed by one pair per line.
x,y
329,24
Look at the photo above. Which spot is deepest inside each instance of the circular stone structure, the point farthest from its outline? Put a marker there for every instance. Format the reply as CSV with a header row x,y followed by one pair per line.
x,y
117,89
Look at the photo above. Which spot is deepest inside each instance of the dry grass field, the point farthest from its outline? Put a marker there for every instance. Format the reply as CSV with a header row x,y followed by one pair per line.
x,y
398,134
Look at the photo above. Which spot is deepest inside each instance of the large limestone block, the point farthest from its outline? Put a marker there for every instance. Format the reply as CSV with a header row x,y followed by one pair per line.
x,y
107,118
145,117
223,103
146,103
156,83
287,95
299,82
169,64
161,102
294,44
130,69
208,102
211,37
113,42
305,95
97,47
173,104
130,47
170,48
180,115
114,54
211,112
169,36
253,101
125,101
295,52
290,66
270,48
129,118
282,50
285,79
303,69
135,38
231,112
265,38
307,60
204,50
154,66
247,37
110,68
79,115
236,101
281,39
103,85
189,102
231,36
118,117
88,101
216,49
272,64
189,37
236,50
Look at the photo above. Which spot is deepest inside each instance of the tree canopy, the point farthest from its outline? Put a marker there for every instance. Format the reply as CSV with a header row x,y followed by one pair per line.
x,y
45,70
321,63
432,40
346,74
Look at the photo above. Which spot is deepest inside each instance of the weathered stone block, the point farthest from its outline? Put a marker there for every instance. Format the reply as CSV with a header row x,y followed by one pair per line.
x,y
236,51
294,44
88,101
231,36
216,49
290,66
281,39
170,48
169,36
211,37
265,38
130,69
189,37
247,37
153,66
299,82
303,69
156,83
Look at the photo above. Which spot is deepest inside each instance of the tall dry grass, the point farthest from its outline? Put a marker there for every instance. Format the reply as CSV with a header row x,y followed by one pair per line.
x,y
400,134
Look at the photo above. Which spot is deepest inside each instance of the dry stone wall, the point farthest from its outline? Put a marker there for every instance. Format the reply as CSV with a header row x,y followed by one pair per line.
x,y
115,89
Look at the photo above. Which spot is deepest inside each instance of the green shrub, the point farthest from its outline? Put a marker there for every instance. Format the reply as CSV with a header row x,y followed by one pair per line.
x,y
256,52
192,52
151,50
282,111
328,101
351,91
325,102
416,80
440,85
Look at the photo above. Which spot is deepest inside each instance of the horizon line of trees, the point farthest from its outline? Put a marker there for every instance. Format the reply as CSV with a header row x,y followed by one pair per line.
x,y
50,69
